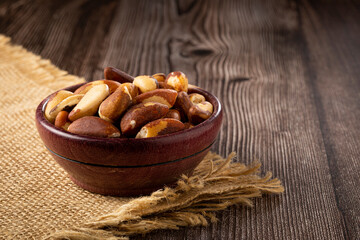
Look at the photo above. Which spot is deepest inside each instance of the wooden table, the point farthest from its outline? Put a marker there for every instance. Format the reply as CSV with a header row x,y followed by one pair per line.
x,y
287,73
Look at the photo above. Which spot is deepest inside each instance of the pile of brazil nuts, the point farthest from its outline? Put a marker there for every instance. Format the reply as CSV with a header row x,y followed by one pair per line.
x,y
123,106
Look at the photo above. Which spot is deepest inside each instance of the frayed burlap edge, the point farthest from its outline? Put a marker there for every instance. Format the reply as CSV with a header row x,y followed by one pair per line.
x,y
34,67
216,184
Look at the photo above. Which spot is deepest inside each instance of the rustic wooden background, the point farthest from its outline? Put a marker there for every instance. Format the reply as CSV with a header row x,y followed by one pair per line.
x,y
287,73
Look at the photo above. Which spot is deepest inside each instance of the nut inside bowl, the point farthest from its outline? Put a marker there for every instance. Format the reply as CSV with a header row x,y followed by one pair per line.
x,y
129,166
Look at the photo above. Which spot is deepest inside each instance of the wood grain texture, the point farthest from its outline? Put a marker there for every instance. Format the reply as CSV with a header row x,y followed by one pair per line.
x,y
285,71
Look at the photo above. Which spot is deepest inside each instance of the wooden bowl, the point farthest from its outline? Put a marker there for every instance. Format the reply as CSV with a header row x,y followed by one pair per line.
x,y
129,166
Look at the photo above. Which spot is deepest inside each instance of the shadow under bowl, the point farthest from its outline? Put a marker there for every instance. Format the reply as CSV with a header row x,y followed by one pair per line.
x,y
129,166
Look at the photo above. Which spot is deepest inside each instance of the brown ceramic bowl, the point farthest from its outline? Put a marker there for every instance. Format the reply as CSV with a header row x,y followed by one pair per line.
x,y
126,167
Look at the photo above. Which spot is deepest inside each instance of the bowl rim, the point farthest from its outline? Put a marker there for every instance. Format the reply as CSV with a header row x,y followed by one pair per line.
x,y
40,117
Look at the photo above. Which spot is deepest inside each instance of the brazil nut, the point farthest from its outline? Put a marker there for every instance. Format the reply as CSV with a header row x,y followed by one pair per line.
x,y
115,74
145,83
116,104
139,115
54,100
133,90
196,98
86,87
61,120
206,106
93,126
177,81
198,114
160,127
183,102
90,102
164,96
65,104
160,77
173,113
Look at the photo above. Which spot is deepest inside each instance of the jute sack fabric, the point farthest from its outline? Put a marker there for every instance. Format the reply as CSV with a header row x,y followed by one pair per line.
x,y
38,200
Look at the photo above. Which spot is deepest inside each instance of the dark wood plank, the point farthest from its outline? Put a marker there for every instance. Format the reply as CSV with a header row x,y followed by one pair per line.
x,y
69,33
332,33
286,72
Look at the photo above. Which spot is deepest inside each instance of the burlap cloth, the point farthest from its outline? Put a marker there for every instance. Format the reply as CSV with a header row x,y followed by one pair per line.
x,y
37,198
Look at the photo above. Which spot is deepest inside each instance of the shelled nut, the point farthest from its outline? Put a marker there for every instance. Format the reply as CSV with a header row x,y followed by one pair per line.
x,y
115,74
85,88
177,81
198,114
93,126
145,83
133,90
62,121
160,127
141,114
206,106
173,113
164,96
160,77
183,115
90,103
196,98
183,101
65,104
54,100
116,104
